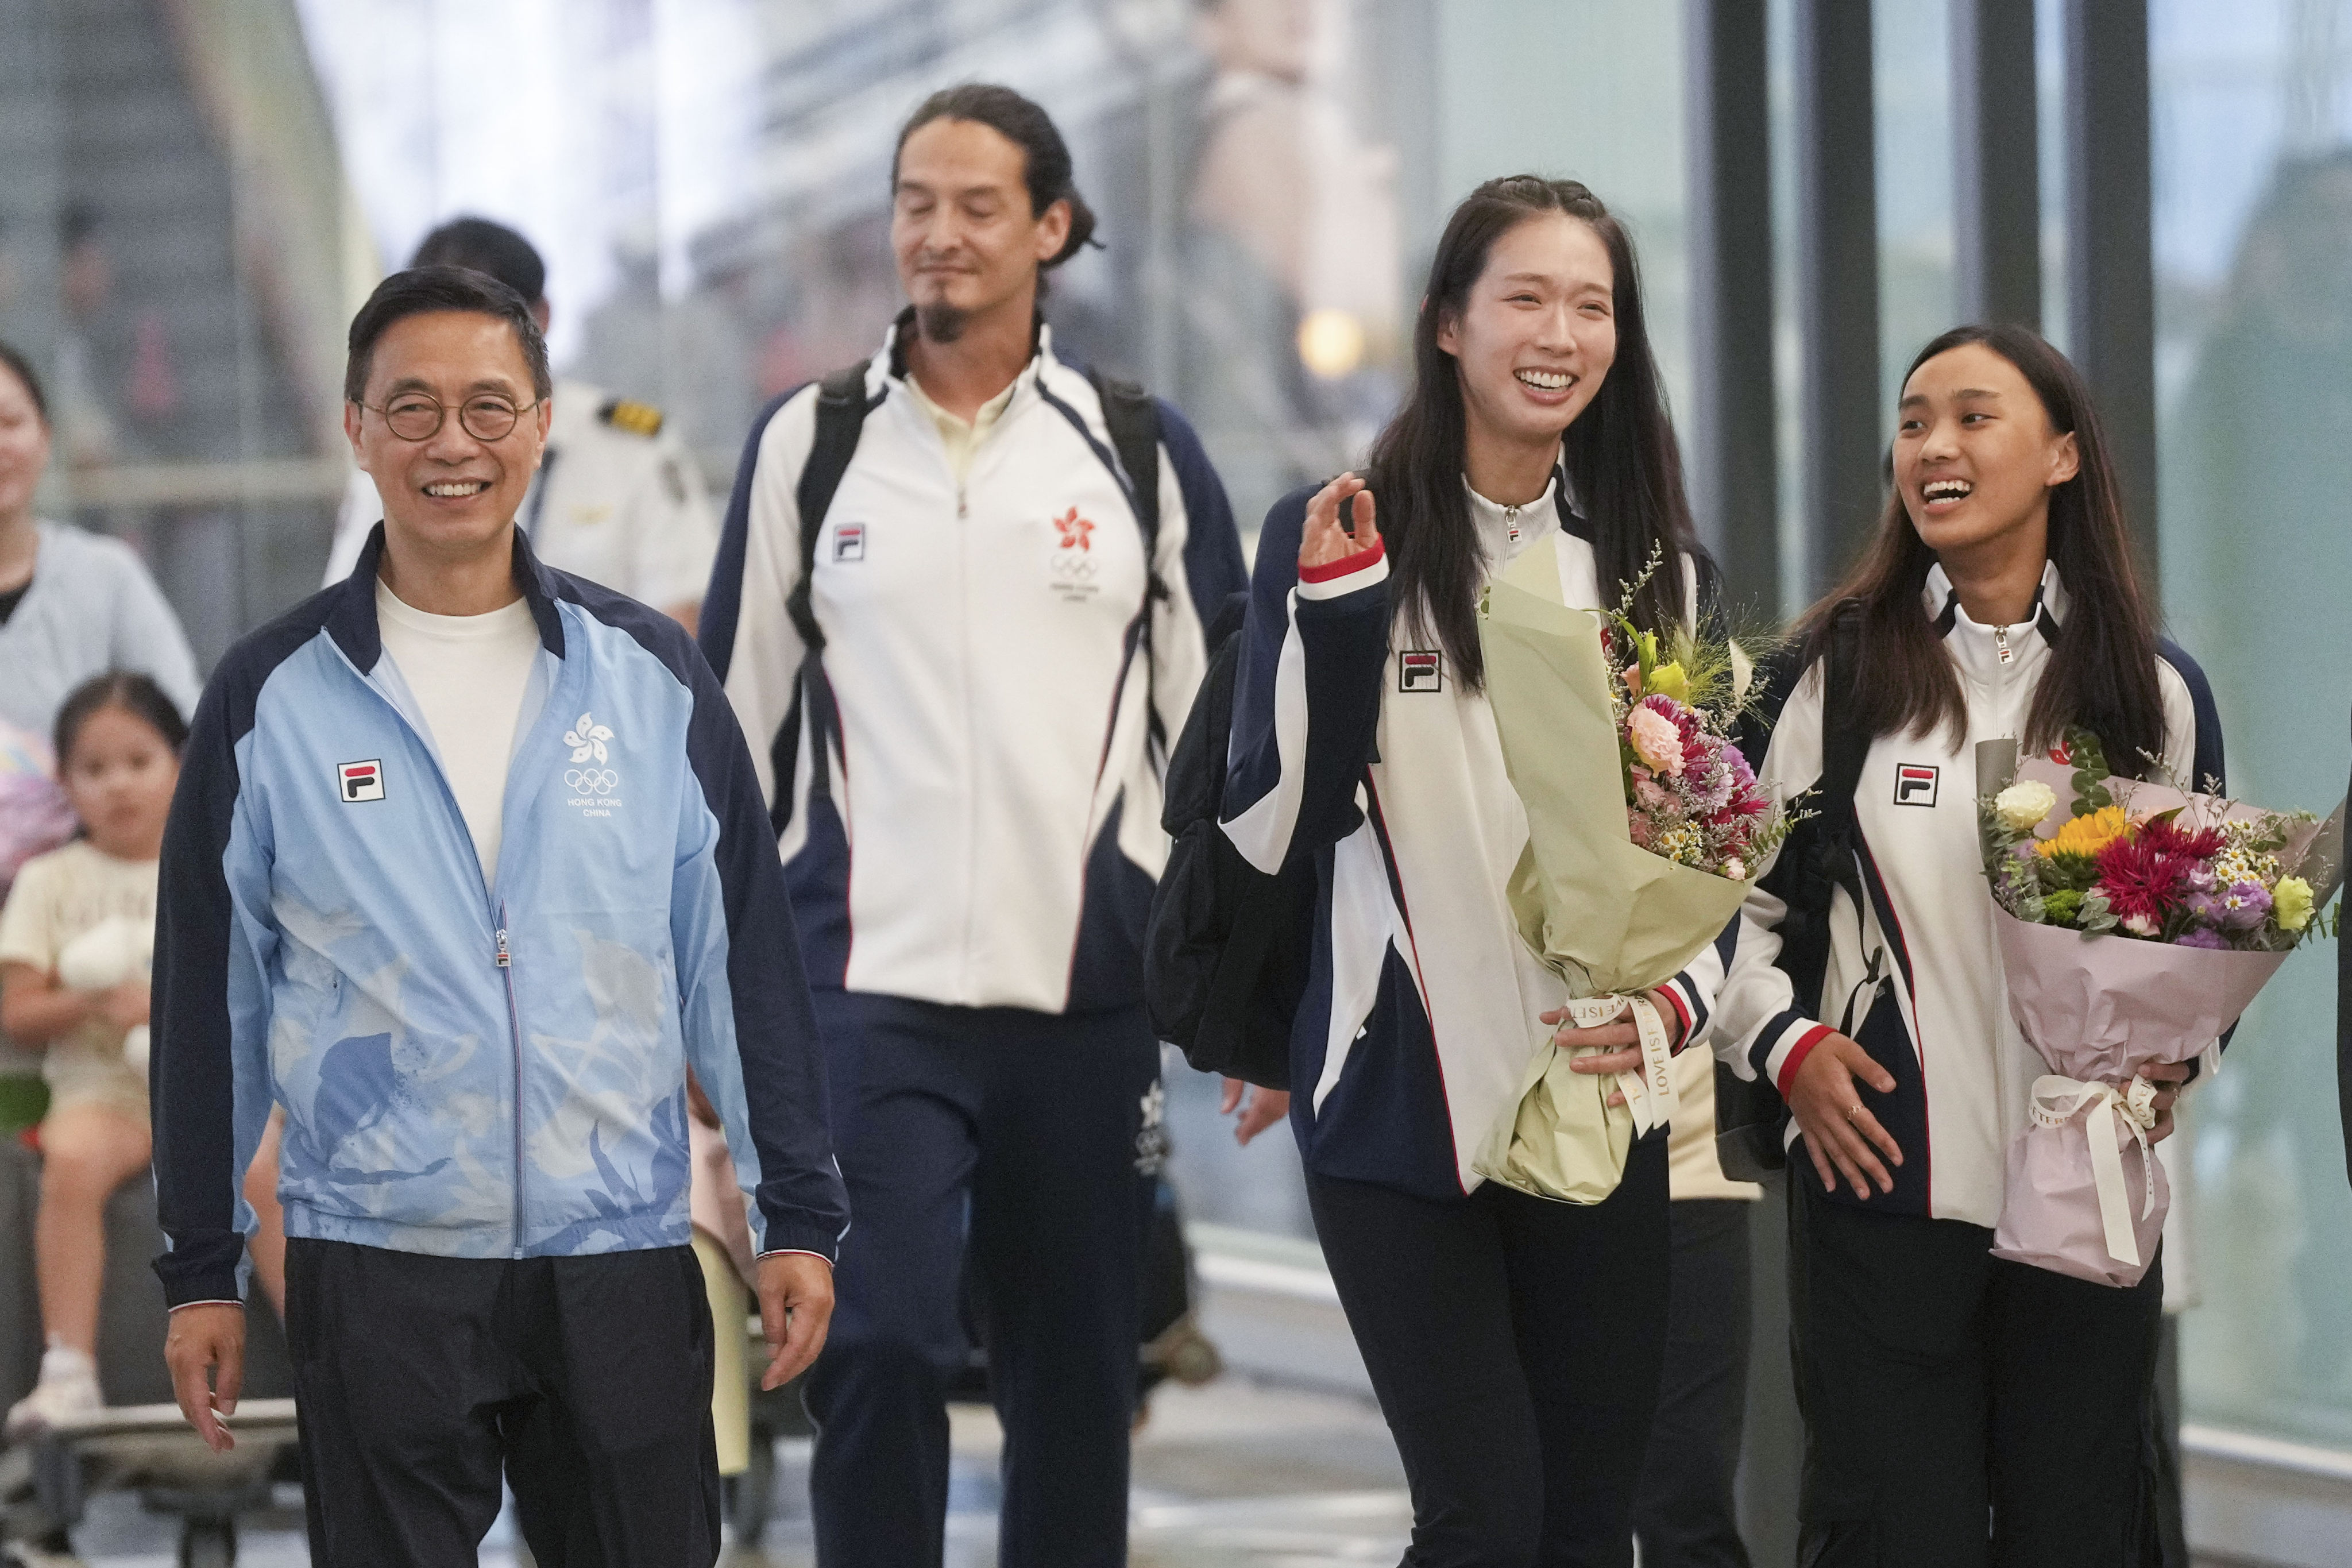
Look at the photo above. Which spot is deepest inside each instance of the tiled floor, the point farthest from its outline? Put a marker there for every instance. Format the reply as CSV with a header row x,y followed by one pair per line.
x,y
1230,1475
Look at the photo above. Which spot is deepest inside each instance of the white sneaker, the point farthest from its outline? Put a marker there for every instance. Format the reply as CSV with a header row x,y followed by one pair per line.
x,y
67,1388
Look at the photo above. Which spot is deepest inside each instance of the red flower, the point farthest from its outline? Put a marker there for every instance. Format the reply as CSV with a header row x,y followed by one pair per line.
x,y
2166,834
2143,875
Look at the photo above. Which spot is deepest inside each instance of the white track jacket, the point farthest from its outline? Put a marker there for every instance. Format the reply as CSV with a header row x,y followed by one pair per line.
x,y
981,827
1920,967
1422,1000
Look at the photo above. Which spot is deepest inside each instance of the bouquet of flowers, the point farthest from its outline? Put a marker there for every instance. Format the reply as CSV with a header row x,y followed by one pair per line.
x,y
2135,925
1644,824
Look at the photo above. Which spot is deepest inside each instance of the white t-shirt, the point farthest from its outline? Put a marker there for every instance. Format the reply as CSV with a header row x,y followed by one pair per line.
x,y
468,674
87,920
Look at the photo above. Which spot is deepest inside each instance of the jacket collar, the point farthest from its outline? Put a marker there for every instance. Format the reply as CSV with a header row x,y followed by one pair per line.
x,y
1942,601
1559,498
351,619
891,365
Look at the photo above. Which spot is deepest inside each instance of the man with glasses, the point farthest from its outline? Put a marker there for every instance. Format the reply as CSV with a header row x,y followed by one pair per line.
x,y
618,499
467,865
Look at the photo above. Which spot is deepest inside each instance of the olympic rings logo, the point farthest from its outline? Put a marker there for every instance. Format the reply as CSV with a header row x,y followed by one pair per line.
x,y
595,780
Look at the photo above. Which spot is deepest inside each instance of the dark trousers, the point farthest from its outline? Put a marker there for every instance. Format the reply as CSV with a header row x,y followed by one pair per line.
x,y
1514,1344
1026,1135
1684,1514
1961,1411
588,1379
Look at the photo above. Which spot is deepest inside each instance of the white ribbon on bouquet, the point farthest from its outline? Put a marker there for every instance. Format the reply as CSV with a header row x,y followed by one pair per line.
x,y
2057,1101
1650,1093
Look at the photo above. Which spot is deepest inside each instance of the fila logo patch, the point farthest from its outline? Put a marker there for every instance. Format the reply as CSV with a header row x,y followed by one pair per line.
x,y
1421,669
1915,784
849,541
356,782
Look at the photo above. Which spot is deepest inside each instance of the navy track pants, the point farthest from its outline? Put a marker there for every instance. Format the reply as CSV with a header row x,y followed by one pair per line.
x,y
586,1379
1963,1411
1030,1136
1516,1346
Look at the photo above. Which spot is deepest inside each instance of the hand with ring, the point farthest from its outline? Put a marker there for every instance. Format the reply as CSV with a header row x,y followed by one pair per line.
x,y
1841,1134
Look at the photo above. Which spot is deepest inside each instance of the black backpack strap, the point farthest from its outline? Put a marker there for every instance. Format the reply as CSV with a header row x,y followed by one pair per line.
x,y
1133,421
1827,855
841,410
840,417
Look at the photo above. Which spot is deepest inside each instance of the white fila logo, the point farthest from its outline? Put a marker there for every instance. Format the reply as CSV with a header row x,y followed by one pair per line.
x,y
356,782
849,541
1421,669
1915,784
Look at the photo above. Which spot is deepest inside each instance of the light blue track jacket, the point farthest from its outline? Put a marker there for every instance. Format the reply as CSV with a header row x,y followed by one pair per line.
x,y
464,1074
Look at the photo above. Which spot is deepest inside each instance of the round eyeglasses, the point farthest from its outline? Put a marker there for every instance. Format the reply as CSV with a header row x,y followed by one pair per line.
x,y
416,416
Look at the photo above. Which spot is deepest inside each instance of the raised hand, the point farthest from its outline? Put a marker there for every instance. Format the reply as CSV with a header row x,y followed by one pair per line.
x,y
1326,539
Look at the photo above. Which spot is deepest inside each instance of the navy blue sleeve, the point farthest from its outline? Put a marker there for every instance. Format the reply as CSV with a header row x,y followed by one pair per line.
x,y
189,1064
2209,769
1303,724
2210,761
723,602
207,1070
1212,544
1774,681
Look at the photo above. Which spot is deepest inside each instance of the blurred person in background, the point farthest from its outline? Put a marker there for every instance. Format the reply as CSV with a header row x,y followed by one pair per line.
x,y
961,646
618,499
76,940
1685,1511
1291,276
73,605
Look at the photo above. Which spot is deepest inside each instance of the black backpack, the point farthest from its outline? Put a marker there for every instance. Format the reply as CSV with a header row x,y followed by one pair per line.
x,y
1225,954
1751,1120
1133,420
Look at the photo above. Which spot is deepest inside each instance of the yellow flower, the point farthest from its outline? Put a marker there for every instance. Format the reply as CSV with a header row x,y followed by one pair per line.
x,y
2291,903
2086,835
1668,680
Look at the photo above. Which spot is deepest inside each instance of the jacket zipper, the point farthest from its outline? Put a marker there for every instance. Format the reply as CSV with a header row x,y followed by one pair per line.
x,y
501,955
514,1024
2001,649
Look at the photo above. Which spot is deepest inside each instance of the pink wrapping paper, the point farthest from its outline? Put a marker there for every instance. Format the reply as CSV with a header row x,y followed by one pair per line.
x,y
2050,1218
2100,1009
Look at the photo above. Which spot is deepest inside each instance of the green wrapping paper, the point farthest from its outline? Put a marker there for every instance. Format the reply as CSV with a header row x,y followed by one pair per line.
x,y
1609,918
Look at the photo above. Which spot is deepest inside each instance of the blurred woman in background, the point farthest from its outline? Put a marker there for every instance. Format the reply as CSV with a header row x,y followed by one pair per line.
x,y
73,605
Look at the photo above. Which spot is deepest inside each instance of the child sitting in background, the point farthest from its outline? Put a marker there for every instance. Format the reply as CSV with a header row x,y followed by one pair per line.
x,y
76,938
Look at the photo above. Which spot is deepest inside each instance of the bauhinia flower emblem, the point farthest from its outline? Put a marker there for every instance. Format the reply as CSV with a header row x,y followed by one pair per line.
x,y
586,738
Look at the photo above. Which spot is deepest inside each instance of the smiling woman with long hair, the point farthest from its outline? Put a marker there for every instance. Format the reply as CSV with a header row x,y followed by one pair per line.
x,y
1998,600
1515,1344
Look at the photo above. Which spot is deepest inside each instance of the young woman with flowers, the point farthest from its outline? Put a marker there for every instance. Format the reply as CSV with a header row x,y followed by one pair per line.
x,y
1515,1344
1942,1386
